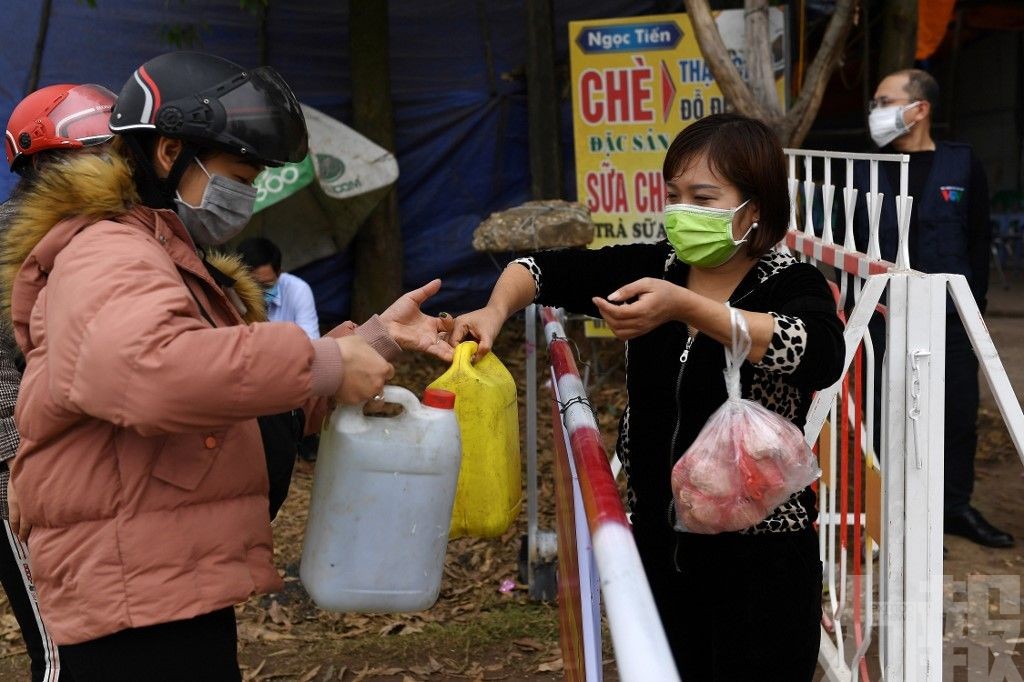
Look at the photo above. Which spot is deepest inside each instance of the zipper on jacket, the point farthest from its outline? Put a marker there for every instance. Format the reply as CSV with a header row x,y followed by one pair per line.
x,y
683,358
670,512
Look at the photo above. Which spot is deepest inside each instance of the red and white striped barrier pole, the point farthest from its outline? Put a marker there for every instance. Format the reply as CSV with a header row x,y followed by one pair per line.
x,y
641,649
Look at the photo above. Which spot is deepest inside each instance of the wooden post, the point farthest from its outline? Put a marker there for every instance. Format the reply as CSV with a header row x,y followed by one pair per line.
x,y
899,36
378,245
542,102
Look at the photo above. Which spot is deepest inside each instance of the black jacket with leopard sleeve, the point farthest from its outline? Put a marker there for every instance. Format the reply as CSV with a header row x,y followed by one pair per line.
x,y
672,391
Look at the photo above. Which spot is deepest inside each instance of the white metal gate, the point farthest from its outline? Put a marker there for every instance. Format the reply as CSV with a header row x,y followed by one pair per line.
x,y
897,493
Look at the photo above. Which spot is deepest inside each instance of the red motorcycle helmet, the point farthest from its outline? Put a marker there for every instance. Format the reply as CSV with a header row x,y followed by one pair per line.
x,y
61,116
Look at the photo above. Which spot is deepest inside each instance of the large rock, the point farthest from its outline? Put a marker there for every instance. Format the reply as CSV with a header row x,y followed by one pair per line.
x,y
535,225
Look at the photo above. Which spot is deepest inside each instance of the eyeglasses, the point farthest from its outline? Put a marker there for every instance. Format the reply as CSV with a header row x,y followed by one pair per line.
x,y
884,102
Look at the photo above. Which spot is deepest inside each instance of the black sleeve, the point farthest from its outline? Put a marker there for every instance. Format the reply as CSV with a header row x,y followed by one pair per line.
x,y
807,347
569,278
979,232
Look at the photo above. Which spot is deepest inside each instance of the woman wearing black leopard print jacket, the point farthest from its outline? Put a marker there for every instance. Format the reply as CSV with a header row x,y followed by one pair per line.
x,y
736,606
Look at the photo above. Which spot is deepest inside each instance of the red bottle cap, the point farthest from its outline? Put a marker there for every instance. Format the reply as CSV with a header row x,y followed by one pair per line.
x,y
441,399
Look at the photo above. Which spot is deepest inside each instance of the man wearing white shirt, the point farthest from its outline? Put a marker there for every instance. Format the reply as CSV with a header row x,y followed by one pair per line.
x,y
289,298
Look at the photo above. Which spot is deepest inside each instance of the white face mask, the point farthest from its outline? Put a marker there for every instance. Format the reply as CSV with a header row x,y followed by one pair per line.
x,y
886,123
224,211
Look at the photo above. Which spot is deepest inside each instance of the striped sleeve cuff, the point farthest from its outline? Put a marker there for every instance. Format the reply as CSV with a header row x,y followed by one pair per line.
x,y
375,332
327,369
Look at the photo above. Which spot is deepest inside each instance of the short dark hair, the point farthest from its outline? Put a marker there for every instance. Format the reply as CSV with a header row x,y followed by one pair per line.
x,y
257,251
745,152
921,85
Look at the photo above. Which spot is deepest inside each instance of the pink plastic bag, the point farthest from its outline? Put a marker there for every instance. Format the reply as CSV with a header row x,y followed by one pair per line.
x,y
745,462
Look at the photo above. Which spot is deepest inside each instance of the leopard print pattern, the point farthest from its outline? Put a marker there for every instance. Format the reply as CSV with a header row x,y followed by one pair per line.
x,y
767,388
772,263
776,395
787,517
787,346
531,265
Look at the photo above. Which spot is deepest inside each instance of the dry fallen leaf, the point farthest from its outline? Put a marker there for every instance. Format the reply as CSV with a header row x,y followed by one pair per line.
x,y
410,628
529,644
278,614
310,674
251,674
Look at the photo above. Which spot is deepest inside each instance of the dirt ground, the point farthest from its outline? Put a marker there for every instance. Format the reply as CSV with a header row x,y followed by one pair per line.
x,y
478,632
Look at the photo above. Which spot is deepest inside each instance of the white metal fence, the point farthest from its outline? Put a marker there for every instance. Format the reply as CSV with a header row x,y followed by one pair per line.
x,y
889,501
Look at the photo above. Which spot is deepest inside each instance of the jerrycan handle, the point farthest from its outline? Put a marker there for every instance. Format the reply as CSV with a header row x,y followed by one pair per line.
x,y
392,394
464,357
402,396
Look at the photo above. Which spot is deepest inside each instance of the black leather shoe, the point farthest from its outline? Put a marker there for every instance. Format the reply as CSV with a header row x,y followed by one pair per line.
x,y
973,526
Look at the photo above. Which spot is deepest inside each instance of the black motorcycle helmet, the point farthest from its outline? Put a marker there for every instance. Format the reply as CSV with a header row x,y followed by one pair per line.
x,y
208,103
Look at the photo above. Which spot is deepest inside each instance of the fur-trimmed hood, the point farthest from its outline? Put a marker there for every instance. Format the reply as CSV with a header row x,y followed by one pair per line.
x,y
247,289
80,189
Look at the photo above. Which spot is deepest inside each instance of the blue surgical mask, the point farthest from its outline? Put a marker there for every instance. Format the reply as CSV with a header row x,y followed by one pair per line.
x,y
271,295
223,213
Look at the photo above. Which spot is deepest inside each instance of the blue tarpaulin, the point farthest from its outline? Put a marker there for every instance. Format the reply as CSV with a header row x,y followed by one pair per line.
x,y
457,85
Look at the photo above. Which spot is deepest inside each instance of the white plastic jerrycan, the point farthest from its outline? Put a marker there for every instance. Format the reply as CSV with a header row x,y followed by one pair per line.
x,y
381,506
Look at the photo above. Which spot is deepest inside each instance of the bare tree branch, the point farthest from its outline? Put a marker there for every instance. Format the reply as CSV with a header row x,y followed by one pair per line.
x,y
760,98
717,56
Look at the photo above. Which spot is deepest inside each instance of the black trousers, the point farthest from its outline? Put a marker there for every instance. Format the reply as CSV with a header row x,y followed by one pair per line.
x,y
737,607
41,650
200,649
961,413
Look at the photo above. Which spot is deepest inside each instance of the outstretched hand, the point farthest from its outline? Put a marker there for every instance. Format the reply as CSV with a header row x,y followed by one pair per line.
x,y
483,325
640,306
414,330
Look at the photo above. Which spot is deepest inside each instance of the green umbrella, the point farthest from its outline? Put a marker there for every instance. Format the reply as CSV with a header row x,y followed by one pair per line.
x,y
311,220
276,184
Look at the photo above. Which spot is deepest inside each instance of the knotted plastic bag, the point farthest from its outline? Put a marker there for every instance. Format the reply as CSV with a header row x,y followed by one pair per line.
x,y
745,462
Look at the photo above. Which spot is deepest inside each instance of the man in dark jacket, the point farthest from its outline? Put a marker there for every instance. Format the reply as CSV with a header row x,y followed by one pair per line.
x,y
949,233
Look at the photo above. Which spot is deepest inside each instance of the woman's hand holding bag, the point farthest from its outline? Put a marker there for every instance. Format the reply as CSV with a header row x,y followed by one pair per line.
x,y
745,462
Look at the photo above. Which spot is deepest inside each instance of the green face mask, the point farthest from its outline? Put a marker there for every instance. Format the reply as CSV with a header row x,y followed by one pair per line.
x,y
702,236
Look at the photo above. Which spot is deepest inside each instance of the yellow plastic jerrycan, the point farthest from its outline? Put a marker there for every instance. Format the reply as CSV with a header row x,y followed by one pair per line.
x,y
489,493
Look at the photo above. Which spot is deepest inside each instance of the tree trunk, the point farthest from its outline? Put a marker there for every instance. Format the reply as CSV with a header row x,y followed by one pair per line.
x,y
899,36
760,71
378,245
759,101
713,49
542,101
